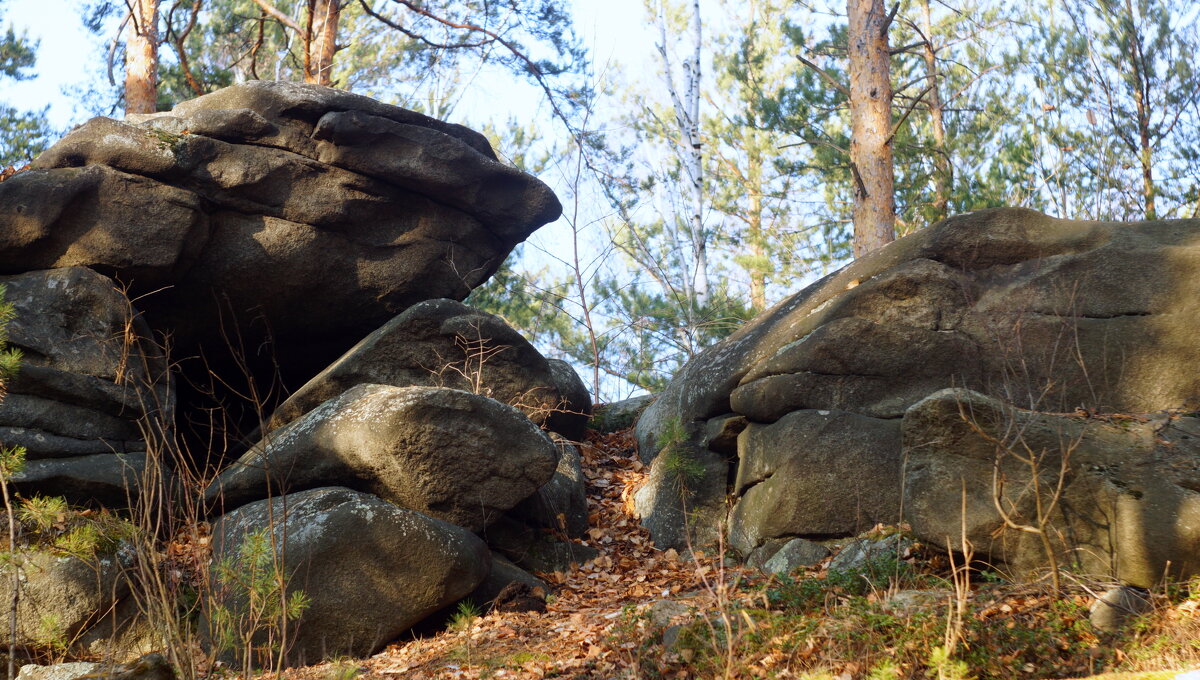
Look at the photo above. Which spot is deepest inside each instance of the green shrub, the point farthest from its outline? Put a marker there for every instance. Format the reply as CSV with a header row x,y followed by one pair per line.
x,y
250,615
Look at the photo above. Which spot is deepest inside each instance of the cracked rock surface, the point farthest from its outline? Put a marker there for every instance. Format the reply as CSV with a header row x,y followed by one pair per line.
x,y
342,208
369,569
1042,313
453,455
89,385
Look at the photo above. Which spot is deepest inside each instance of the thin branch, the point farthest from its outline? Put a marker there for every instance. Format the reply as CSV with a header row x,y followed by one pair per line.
x,y
417,36
821,72
279,16
180,48
907,111
112,47
901,50
887,22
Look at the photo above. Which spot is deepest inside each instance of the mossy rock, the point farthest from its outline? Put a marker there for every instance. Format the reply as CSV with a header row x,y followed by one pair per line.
x,y
619,415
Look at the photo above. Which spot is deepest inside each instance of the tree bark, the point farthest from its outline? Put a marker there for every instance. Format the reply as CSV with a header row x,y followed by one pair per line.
x,y
141,58
943,170
321,41
691,71
1141,97
870,121
686,106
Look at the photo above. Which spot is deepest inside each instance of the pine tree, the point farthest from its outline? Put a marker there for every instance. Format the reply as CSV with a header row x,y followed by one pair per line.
x,y
1125,71
23,134
12,459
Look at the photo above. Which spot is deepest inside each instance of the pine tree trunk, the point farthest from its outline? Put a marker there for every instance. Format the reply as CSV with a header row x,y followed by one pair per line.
x,y
754,227
943,170
141,58
1141,97
870,122
321,43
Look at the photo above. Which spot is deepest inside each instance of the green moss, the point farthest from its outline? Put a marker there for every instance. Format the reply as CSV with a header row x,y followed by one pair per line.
x,y
167,141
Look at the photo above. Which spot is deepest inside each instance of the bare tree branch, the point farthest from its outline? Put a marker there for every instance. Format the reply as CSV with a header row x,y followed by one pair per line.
x,y
824,74
275,14
112,47
908,111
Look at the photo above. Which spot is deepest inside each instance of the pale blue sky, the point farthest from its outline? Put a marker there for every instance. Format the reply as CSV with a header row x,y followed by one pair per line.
x,y
69,56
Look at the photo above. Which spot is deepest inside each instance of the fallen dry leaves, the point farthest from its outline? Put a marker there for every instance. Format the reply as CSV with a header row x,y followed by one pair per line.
x,y
9,171
574,637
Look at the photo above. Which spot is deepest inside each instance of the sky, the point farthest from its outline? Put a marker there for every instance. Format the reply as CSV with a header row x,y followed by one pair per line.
x,y
69,56
64,53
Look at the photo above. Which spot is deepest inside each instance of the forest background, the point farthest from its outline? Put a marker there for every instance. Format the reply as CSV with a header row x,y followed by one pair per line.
x,y
707,152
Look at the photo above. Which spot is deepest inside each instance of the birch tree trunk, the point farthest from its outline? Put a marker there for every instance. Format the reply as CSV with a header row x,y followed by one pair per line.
x,y
687,117
870,121
141,58
691,73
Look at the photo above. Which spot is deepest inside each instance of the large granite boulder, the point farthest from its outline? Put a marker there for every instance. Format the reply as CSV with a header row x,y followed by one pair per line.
x,y
368,569
320,213
561,503
62,595
444,343
814,473
1044,313
91,386
452,455
1116,496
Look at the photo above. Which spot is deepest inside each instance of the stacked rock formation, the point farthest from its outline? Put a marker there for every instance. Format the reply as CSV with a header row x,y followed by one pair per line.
x,y
318,223
319,213
825,415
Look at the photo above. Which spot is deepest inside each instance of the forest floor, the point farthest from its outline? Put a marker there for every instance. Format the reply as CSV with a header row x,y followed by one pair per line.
x,y
636,612
577,636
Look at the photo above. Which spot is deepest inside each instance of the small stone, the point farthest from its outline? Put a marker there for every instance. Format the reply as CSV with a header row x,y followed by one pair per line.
x,y
662,612
59,671
1117,607
861,552
796,553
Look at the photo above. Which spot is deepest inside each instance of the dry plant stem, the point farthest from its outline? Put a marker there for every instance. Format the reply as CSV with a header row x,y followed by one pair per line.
x,y
577,269
278,556
170,500
718,588
16,577
1014,444
961,579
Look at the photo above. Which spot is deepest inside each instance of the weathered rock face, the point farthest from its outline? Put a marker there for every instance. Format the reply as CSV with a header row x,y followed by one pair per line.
x,y
369,569
1119,497
62,596
443,343
815,473
561,503
335,204
1046,313
571,418
452,455
89,382
267,228
619,415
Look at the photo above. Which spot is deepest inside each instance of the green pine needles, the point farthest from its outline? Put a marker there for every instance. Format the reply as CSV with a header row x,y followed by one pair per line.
x,y
678,459
12,458
255,612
